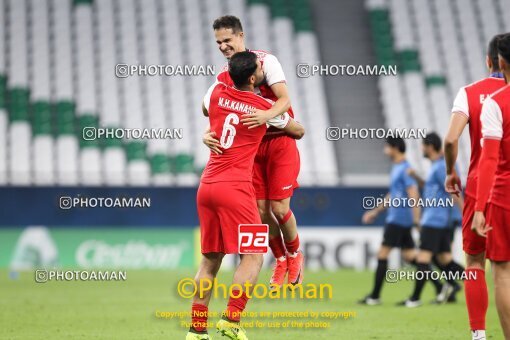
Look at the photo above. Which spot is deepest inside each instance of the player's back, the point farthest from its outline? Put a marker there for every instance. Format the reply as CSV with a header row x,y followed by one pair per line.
x,y
436,215
239,144
469,101
399,182
501,189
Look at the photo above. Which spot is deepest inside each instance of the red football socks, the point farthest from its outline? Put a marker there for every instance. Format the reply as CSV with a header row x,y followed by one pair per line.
x,y
477,299
276,245
236,305
292,246
199,317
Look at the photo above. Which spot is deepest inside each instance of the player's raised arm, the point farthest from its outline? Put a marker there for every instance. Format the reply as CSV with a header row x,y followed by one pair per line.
x,y
458,121
287,124
275,78
295,129
283,103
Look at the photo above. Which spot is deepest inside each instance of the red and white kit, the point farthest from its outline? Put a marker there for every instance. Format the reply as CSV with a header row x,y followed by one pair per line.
x,y
469,102
277,162
496,125
226,197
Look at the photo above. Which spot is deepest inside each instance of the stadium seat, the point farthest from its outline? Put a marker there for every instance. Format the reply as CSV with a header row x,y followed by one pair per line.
x,y
51,105
436,57
114,158
4,128
259,18
19,142
60,16
505,12
312,90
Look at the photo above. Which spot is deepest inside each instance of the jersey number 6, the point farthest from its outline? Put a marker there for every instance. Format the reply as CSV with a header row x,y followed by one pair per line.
x,y
229,131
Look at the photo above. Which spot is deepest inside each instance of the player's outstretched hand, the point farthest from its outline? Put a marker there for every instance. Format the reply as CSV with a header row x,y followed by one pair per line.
x,y
211,142
479,226
255,118
452,184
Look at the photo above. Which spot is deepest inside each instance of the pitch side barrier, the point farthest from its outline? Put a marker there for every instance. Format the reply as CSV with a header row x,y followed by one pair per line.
x,y
162,207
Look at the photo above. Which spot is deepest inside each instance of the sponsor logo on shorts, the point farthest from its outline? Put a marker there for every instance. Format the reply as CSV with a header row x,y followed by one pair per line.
x,y
287,187
253,238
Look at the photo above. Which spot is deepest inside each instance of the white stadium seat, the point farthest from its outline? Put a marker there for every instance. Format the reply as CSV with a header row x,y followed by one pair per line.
x,y
63,54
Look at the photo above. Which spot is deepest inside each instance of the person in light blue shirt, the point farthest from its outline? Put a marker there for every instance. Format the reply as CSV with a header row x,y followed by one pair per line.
x,y
400,219
435,233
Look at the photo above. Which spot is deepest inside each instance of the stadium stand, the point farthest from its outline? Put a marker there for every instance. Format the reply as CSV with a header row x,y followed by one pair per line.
x,y
436,55
353,101
57,77
58,59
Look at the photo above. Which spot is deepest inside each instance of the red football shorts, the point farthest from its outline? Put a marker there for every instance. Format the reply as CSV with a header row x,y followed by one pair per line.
x,y
222,206
498,239
472,243
276,168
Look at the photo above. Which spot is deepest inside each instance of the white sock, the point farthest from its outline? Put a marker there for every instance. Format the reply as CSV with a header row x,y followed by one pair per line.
x,y
478,334
293,254
281,258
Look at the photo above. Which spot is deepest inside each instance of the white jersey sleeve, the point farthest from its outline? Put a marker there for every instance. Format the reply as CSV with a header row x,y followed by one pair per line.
x,y
279,121
207,97
492,120
461,103
273,70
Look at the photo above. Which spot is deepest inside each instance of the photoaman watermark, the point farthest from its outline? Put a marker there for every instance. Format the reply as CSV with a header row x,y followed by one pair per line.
x,y
188,288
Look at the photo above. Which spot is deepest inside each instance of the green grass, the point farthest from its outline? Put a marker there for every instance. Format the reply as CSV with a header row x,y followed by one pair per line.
x,y
126,310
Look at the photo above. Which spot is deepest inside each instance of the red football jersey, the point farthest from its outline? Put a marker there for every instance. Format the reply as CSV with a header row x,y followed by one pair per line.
x,y
273,73
226,105
469,101
495,122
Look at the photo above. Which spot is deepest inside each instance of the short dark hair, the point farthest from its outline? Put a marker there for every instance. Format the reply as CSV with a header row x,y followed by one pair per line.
x,y
492,51
241,66
397,142
434,140
504,47
228,21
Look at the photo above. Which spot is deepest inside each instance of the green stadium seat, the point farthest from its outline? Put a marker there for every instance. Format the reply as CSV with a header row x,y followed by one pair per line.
x,y
435,81
41,118
3,91
160,163
82,2
408,61
87,120
184,163
64,117
279,8
135,150
18,104
111,142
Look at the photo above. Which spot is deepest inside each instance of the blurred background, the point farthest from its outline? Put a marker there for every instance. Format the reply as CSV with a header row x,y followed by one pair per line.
x,y
57,76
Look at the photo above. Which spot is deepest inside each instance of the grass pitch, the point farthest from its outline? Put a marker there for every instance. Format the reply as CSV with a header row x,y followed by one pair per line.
x,y
127,310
